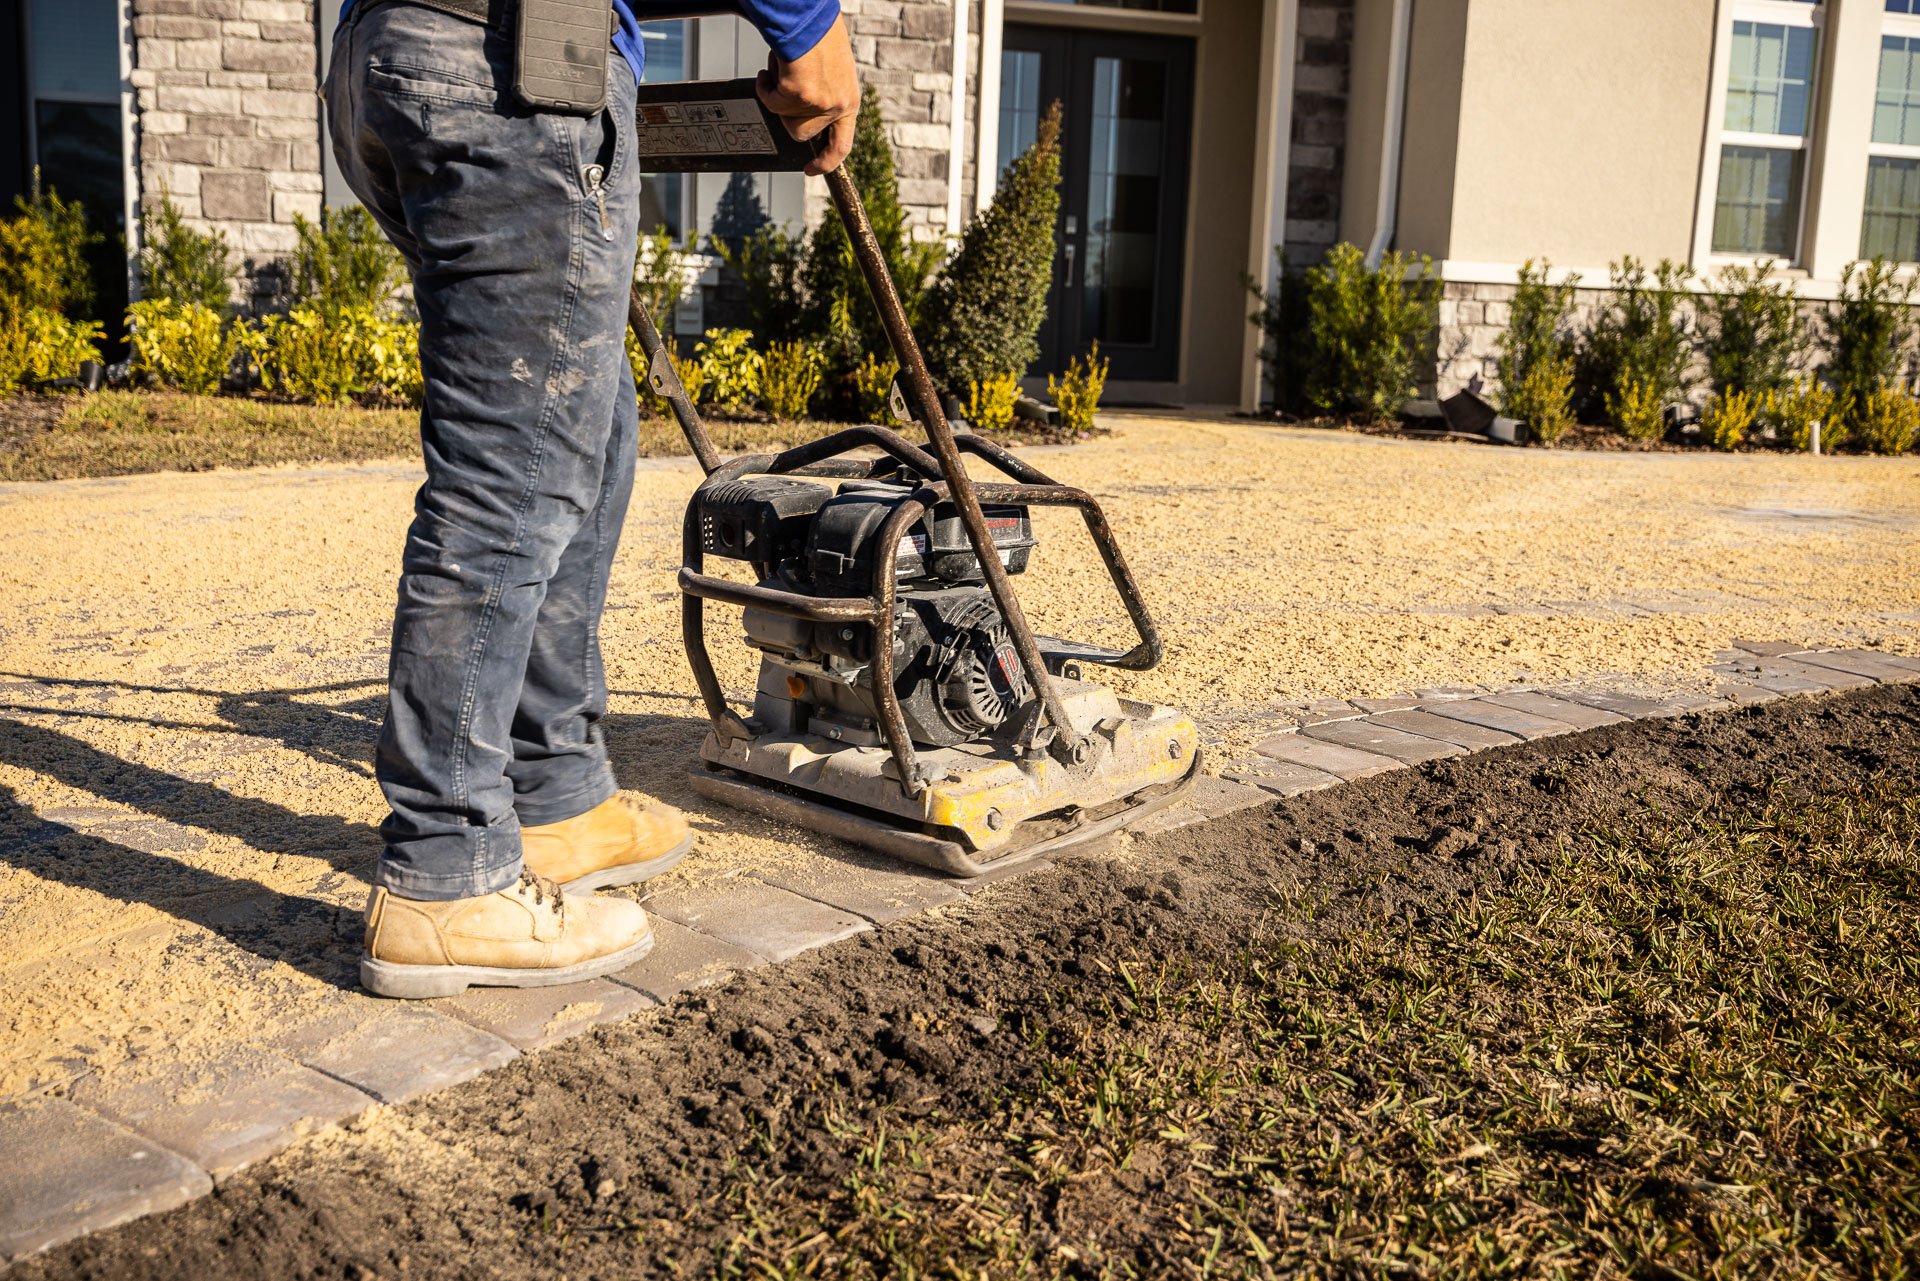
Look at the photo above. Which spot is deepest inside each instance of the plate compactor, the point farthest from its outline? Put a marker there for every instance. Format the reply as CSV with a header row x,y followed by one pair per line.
x,y
903,702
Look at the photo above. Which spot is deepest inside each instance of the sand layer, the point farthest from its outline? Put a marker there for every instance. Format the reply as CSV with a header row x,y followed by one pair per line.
x,y
192,665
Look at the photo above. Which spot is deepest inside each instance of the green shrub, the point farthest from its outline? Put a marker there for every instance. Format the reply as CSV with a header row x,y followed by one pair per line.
x,y
345,263
1754,331
1543,398
985,310
1794,409
660,273
323,356
37,344
1077,392
839,308
1366,330
1284,321
43,255
180,344
769,263
1866,334
1727,418
729,368
1536,366
1638,409
181,265
990,404
1640,339
393,358
790,374
1889,421
693,377
873,388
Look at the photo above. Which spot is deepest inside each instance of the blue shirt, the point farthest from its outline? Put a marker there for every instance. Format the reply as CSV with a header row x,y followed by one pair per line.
x,y
790,27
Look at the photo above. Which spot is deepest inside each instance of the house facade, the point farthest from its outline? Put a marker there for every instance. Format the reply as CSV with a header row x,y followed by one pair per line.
x,y
1200,135
1710,132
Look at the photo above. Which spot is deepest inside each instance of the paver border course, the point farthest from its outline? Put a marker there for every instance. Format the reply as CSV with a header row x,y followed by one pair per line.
x,y
107,1153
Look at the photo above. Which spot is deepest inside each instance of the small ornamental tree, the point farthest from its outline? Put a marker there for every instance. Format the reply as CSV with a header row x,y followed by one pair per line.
x,y
985,310
839,308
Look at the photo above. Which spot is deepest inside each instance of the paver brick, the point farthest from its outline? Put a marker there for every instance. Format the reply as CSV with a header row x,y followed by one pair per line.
x,y
763,918
1280,777
394,1051
864,885
1744,693
1460,733
1638,706
1769,649
1766,674
65,1172
1331,758
531,1017
1810,678
684,959
1859,662
1208,798
1384,740
1497,716
1578,715
227,1115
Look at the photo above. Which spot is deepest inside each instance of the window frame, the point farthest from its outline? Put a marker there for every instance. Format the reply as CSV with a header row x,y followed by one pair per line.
x,y
1905,26
1811,14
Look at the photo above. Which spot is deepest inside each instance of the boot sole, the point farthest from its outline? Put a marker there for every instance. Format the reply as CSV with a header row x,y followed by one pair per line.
x,y
420,982
629,873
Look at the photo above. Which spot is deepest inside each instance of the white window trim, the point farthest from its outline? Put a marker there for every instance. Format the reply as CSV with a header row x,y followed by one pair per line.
x,y
1790,13
1906,25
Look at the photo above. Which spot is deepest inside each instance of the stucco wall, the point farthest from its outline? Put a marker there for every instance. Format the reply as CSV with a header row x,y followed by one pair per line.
x,y
1561,129
1580,130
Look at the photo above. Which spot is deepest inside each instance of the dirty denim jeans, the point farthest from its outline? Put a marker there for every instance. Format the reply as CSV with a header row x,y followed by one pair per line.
x,y
520,230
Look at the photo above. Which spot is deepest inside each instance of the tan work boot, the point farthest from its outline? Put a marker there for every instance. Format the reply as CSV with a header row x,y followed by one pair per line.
x,y
621,840
529,935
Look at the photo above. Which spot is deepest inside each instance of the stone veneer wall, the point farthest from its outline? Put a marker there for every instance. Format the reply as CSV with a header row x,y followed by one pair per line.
x,y
905,51
1474,316
228,122
1318,155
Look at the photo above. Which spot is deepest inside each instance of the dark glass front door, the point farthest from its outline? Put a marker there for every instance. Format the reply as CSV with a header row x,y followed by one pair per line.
x,y
1123,200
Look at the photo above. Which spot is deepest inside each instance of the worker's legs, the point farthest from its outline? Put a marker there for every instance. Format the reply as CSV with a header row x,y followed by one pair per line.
x,y
559,767
520,229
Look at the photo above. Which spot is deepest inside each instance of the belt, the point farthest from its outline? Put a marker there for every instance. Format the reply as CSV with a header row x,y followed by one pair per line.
x,y
496,13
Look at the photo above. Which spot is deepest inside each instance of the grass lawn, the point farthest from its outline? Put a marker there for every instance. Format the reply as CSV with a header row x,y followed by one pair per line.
x,y
118,433
1687,1046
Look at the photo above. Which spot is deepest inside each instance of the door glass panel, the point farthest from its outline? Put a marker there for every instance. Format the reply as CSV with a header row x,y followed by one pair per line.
x,y
1125,133
1019,103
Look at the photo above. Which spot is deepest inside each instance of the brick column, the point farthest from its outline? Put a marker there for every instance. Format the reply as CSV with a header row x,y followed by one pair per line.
x,y
228,120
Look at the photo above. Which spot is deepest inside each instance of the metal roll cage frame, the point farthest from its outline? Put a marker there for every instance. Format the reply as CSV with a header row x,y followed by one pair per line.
x,y
942,477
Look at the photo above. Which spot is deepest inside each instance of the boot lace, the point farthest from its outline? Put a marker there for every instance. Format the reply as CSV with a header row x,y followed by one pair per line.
x,y
542,889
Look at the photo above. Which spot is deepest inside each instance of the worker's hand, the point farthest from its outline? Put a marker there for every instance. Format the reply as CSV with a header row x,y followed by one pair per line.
x,y
817,92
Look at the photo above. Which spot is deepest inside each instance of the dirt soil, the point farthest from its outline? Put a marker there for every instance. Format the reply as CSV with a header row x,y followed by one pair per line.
x,y
940,1098
192,667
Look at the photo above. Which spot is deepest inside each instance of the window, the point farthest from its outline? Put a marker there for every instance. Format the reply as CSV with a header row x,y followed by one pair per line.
x,y
1765,129
1891,227
663,198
